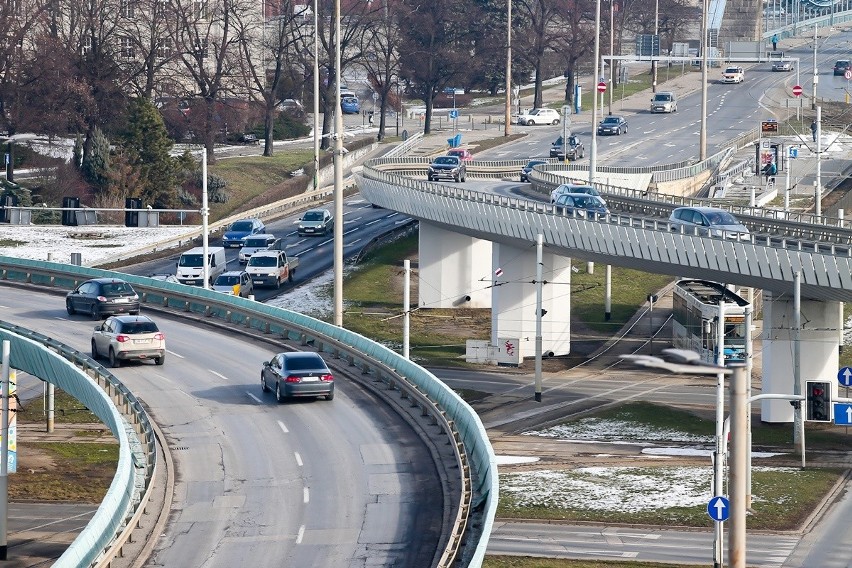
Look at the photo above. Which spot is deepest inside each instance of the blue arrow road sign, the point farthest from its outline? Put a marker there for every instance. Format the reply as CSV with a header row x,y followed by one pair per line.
x,y
718,508
844,376
843,414
454,113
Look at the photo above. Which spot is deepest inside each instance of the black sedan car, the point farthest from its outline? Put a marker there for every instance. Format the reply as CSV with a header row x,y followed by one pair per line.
x,y
296,374
447,167
102,297
528,168
613,125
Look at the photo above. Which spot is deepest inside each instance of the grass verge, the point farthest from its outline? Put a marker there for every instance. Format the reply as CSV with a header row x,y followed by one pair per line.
x,y
528,562
73,472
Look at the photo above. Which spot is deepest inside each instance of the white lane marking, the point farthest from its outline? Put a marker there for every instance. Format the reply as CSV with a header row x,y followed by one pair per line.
x,y
401,222
175,354
300,535
257,400
349,232
373,222
355,241
306,494
220,375
298,459
283,427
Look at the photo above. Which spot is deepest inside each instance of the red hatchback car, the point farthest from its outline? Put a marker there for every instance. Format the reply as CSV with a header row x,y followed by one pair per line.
x,y
463,154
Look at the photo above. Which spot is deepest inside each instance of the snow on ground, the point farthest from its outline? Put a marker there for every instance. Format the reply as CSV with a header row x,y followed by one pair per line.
x,y
624,489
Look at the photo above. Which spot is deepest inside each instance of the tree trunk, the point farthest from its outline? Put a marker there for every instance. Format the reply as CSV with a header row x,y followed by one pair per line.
x,y
269,127
538,82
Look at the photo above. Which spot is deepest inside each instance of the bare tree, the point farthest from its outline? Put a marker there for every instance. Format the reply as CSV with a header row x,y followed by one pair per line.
x,y
540,24
577,41
270,47
151,71
381,60
207,42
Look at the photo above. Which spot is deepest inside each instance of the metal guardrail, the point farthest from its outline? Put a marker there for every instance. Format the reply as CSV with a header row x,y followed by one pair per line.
x,y
475,458
101,392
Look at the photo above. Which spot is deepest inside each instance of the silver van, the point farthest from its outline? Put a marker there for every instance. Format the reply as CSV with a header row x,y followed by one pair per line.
x,y
664,101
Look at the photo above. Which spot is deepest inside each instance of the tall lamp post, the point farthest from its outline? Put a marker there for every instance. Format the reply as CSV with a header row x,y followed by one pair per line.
x,y
657,34
704,48
507,113
316,98
593,155
338,177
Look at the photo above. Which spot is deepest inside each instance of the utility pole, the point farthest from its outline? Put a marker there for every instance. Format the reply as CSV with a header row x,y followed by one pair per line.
x,y
719,456
338,177
593,155
704,47
739,467
507,115
4,450
539,245
818,178
656,34
816,71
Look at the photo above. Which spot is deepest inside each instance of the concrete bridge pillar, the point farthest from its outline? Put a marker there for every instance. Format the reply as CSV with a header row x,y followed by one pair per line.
x,y
819,353
513,299
452,268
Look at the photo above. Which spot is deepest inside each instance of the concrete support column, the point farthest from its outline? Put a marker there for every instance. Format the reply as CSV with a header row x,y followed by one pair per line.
x,y
452,268
514,300
818,344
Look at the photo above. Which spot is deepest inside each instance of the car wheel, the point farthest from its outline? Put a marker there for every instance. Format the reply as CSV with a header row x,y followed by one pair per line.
x,y
277,283
94,312
69,307
114,361
95,353
290,275
582,153
618,132
555,122
279,396
263,386
530,123
160,360
330,396
429,178
464,178
625,130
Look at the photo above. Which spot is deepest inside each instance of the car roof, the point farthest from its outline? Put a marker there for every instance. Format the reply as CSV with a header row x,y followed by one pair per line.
x,y
106,280
317,210
703,209
232,273
131,319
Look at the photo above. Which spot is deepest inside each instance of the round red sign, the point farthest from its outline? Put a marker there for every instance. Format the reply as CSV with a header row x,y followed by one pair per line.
x,y
601,87
797,90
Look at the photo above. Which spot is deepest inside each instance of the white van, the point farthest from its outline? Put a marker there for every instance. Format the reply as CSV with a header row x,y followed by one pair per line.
x,y
190,266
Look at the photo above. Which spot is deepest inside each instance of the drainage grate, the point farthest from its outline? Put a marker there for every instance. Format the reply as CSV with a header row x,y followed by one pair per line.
x,y
180,448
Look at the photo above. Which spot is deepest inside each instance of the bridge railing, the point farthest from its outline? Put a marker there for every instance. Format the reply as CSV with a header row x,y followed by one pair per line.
x,y
475,458
93,385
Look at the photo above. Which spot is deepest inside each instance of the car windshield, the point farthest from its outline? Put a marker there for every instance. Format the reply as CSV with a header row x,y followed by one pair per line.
x,y
227,280
252,242
659,97
573,140
139,327
241,226
350,100
587,201
312,216
307,361
534,163
842,63
263,261
611,120
449,160
722,218
732,70
116,289
191,260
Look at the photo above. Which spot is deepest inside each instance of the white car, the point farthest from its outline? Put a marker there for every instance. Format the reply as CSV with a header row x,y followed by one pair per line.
x,y
733,74
128,338
254,244
540,116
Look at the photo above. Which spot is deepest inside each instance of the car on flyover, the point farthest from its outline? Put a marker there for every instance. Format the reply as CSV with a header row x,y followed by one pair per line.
x,y
297,374
582,205
447,167
525,171
574,188
616,125
707,221
463,153
129,338
782,65
101,297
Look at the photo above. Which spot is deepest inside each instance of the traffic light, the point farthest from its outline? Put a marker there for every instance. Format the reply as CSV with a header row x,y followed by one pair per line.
x,y
818,401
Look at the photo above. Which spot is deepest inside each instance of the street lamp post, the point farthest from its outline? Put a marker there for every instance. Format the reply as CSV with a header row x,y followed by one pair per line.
x,y
507,118
338,176
593,155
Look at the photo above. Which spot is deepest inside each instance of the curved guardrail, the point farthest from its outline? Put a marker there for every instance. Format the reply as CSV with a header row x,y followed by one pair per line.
x,y
476,507
89,382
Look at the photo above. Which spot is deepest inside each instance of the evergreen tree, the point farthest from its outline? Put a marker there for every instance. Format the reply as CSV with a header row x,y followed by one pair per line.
x,y
77,157
95,167
147,144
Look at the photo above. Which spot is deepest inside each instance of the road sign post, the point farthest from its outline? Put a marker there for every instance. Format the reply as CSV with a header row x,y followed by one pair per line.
x,y
797,90
601,87
719,508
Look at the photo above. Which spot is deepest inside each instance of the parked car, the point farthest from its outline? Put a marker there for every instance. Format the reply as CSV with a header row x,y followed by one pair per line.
x,y
294,374
707,221
575,149
253,244
462,153
101,297
525,171
241,229
350,105
540,116
234,283
574,188
582,205
613,125
841,66
249,138
129,338
664,101
449,167
733,74
782,65
316,222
